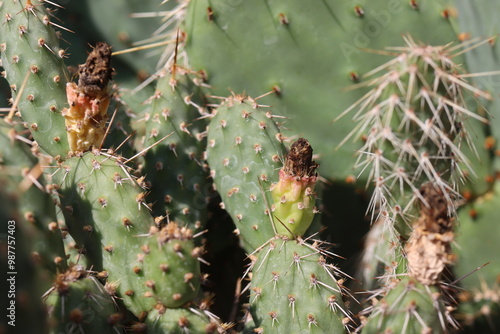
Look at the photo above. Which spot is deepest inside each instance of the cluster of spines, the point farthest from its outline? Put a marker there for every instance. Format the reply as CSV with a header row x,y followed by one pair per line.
x,y
408,306
412,122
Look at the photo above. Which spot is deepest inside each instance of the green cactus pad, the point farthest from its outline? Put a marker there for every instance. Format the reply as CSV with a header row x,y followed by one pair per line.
x,y
35,208
244,152
28,44
293,290
170,266
477,245
104,214
78,303
408,307
174,167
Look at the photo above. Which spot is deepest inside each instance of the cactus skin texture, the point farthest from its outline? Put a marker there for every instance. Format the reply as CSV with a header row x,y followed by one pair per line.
x,y
293,290
174,167
311,70
244,152
28,44
171,267
78,303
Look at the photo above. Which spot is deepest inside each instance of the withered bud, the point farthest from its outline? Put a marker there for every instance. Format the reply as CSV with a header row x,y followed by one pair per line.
x,y
299,161
95,74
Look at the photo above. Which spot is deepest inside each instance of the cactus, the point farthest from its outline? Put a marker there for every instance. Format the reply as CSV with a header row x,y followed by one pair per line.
x,y
132,188
174,165
20,172
314,69
33,64
415,118
253,159
91,188
79,303
293,290
408,307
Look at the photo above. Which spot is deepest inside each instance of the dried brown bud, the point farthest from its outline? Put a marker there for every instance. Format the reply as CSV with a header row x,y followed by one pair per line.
x,y
96,72
299,161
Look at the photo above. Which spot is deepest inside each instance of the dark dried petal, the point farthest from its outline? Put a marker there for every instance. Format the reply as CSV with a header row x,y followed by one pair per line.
x,y
96,72
299,161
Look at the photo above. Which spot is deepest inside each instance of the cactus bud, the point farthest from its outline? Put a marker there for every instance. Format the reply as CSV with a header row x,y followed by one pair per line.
x,y
86,117
293,195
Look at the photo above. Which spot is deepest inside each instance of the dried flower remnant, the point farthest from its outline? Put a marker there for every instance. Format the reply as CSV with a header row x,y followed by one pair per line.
x,y
429,247
87,115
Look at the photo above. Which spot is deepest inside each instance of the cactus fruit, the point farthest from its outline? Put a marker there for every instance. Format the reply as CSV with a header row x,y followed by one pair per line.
x,y
244,152
418,294
30,49
294,290
293,195
88,102
429,248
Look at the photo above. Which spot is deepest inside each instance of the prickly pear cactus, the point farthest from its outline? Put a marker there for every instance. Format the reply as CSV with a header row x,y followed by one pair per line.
x,y
408,307
79,303
33,64
244,152
294,290
174,165
412,122
131,187
310,72
139,257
